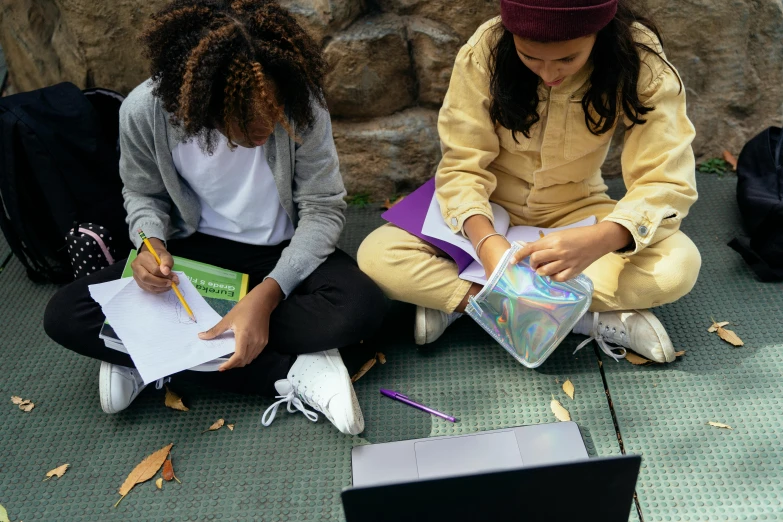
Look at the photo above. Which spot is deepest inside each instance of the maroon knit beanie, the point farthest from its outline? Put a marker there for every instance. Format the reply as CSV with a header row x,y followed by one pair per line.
x,y
556,20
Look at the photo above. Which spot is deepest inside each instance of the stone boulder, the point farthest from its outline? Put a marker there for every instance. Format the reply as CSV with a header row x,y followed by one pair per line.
x,y
730,58
371,72
85,42
462,16
392,55
391,155
322,18
433,47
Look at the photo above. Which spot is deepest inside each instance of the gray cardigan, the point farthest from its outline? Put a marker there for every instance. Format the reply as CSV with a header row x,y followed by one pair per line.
x,y
159,200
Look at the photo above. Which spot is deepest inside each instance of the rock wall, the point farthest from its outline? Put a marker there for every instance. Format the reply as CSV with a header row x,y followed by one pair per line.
x,y
391,64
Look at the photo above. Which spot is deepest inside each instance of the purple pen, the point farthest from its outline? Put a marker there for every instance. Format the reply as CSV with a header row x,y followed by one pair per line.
x,y
405,400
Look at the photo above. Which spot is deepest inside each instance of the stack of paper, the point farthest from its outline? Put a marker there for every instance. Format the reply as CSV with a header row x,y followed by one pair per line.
x,y
155,329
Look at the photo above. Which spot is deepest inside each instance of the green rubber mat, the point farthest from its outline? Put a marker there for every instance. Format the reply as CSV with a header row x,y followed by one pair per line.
x,y
5,250
692,471
291,471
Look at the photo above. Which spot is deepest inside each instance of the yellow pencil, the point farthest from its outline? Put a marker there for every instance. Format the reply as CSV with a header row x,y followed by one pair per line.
x,y
173,285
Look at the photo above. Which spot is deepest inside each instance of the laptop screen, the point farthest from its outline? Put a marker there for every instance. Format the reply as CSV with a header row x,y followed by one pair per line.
x,y
593,489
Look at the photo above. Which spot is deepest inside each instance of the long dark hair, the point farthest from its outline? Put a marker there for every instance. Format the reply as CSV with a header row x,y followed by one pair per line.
x,y
209,57
613,82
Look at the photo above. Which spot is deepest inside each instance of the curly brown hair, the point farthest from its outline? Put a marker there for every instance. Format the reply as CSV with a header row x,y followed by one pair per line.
x,y
215,61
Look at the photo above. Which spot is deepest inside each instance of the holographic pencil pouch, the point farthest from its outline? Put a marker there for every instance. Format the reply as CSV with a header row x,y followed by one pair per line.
x,y
529,315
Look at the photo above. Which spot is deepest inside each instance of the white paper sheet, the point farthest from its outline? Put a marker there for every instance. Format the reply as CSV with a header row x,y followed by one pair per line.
x,y
434,226
105,292
157,332
475,271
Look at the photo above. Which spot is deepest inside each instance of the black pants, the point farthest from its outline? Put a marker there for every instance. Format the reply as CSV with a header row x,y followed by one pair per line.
x,y
337,306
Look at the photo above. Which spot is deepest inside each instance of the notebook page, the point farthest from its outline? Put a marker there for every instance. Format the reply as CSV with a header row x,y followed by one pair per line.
x,y
434,226
102,293
158,334
527,234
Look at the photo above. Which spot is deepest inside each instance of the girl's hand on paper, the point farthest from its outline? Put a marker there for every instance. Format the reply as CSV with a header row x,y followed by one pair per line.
x,y
148,275
249,320
565,254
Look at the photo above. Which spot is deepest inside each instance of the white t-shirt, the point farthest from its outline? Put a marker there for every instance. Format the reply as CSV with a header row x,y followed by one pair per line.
x,y
237,192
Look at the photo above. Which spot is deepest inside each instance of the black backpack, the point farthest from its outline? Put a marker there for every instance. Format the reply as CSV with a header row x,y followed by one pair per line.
x,y
59,168
760,200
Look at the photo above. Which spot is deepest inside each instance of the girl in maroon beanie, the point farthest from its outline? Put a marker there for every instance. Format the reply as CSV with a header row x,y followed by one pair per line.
x,y
534,100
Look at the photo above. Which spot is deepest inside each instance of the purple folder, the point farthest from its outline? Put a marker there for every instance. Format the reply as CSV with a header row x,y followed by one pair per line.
x,y
409,215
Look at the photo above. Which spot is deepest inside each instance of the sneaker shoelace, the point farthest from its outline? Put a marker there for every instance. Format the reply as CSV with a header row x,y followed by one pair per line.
x,y
293,403
601,338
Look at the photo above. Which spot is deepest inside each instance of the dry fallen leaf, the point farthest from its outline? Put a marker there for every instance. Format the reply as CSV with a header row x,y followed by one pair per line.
x,y
679,354
24,404
218,424
57,472
715,326
730,337
720,425
730,159
364,369
568,388
381,357
230,426
168,471
600,364
174,401
636,359
3,515
159,483
146,469
389,204
560,412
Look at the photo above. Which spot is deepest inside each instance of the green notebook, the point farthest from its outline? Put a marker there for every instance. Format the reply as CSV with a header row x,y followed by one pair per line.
x,y
220,287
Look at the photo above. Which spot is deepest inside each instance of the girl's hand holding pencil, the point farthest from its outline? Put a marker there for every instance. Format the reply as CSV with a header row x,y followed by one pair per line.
x,y
148,274
165,270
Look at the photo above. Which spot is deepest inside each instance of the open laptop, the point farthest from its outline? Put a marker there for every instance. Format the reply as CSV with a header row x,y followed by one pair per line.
x,y
538,472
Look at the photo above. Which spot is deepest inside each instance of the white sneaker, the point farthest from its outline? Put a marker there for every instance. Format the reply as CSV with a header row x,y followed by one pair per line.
x,y
638,330
321,381
118,386
430,324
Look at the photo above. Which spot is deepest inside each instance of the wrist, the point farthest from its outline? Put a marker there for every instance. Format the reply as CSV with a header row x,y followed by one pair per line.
x,y
268,294
614,236
492,250
156,243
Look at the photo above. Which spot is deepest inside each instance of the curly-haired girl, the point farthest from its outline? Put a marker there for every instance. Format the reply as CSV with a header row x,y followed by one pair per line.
x,y
227,158
534,99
